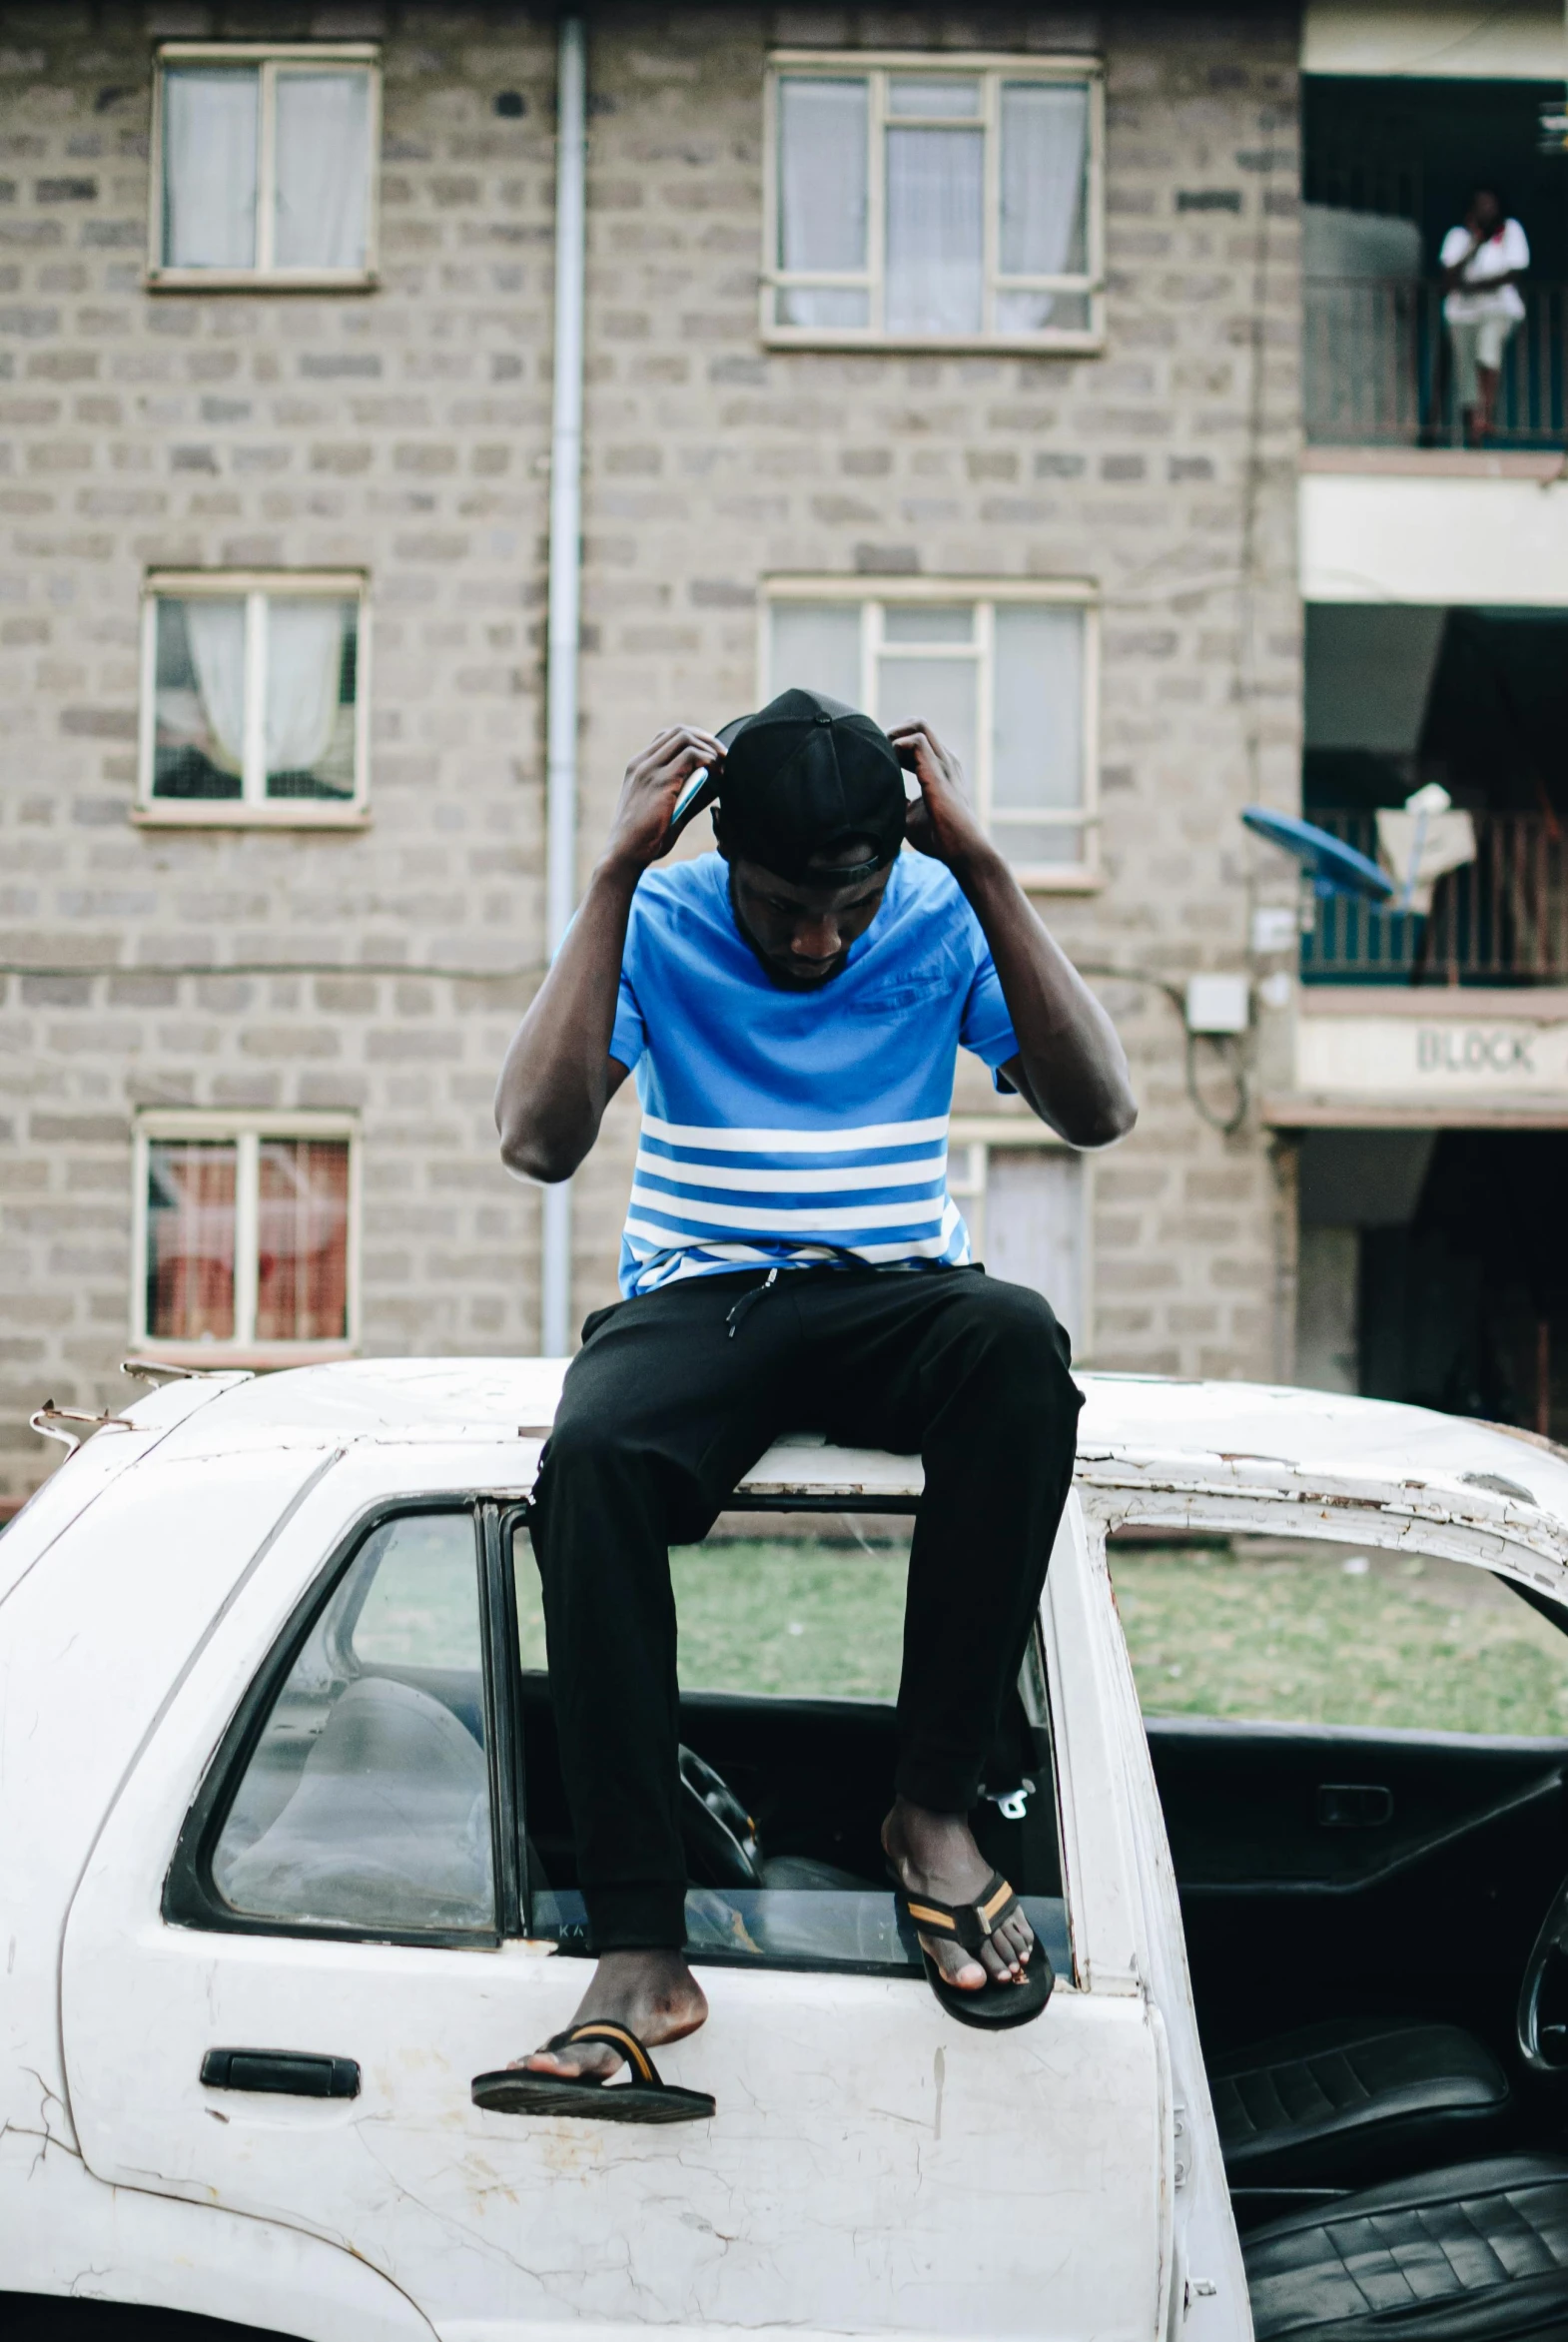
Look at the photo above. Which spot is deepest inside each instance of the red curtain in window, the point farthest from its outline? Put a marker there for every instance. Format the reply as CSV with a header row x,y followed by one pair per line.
x,y
189,1240
303,1241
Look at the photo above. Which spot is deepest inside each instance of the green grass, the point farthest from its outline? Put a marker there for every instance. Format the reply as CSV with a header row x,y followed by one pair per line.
x,y
1274,1629
800,1618
1286,1631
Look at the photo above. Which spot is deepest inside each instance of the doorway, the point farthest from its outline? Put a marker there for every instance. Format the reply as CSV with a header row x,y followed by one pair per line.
x,y
1433,1269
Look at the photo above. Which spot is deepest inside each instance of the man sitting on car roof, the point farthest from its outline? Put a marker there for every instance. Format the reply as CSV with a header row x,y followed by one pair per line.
x,y
792,1006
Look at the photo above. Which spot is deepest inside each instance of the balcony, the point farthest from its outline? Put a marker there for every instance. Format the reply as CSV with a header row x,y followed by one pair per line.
x,y
1376,368
1501,920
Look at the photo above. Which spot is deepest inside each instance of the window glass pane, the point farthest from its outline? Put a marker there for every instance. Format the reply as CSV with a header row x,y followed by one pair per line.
x,y
909,96
1038,750
822,177
790,1648
936,691
817,1614
303,1241
1035,1226
822,304
935,233
367,1802
190,1239
312,660
1030,312
815,646
1039,845
199,699
1291,1631
917,623
1045,147
209,141
323,170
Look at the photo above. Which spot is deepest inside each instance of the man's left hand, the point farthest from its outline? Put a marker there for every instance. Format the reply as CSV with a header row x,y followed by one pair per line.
x,y
940,821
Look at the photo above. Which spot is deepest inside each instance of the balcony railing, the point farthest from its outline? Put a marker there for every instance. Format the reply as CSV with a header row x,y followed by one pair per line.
x,y
1378,368
1501,919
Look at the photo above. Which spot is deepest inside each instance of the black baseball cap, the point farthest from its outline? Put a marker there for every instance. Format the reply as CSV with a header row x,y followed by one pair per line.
x,y
804,775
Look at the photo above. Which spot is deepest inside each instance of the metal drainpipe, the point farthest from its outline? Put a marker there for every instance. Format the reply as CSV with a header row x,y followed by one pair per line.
x,y
560,793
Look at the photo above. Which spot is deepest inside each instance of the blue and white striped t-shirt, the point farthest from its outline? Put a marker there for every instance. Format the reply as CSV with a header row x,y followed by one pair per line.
x,y
789,1129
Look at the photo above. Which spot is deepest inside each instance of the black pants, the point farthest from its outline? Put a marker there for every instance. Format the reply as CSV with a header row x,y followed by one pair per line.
x,y
667,1406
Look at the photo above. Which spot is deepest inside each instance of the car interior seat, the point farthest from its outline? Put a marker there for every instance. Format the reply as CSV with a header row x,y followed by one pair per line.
x,y
1354,2100
1475,2252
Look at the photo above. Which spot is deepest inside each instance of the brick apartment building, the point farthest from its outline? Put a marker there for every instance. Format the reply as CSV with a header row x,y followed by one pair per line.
x,y
954,360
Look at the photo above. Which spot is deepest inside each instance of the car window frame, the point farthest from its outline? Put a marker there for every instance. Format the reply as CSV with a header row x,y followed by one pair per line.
x,y
1109,1507
514,1515
190,1896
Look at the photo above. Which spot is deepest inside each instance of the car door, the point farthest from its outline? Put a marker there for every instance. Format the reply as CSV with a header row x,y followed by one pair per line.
x,y
1353,1743
327,1920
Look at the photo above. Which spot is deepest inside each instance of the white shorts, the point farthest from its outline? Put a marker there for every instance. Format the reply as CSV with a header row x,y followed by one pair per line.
x,y
1480,342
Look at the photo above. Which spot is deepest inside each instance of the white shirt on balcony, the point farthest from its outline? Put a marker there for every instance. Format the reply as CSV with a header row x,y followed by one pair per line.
x,y
1499,256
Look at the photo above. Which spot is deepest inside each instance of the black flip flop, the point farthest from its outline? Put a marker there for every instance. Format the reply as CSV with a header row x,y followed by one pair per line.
x,y
516,2089
996,2007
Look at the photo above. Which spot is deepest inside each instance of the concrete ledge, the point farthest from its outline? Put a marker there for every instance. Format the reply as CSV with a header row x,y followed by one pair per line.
x,y
1316,1112
1440,462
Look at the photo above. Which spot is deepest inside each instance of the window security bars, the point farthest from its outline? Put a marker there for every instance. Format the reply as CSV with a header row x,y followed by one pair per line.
x,y
1380,370
1499,919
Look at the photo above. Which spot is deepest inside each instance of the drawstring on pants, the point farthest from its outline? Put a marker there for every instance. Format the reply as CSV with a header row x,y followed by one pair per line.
x,y
736,1315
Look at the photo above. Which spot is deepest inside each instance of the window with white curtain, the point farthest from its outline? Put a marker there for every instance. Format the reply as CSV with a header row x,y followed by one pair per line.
x,y
1004,675
245,1236
1026,1207
944,199
264,165
254,704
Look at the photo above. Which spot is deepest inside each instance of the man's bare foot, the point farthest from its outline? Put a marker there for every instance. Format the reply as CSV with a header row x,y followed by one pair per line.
x,y
653,1993
936,1855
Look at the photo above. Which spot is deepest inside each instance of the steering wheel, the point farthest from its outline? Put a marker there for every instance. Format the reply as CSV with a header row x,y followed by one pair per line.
x,y
1544,2048
719,1836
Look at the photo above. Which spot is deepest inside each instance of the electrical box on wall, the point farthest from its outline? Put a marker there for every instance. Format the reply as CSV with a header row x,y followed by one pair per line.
x,y
1218,1003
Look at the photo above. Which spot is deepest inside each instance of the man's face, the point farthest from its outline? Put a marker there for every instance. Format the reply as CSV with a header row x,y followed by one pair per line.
x,y
801,930
1485,213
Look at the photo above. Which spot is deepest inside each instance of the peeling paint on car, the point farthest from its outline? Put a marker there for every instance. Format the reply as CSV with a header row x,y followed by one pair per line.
x,y
872,2168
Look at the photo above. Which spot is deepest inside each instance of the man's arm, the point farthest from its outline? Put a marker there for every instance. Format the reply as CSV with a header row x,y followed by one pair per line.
x,y
558,1076
1070,1068
1451,272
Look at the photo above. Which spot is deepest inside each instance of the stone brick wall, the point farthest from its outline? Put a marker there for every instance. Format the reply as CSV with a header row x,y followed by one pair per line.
x,y
406,431
400,431
1165,470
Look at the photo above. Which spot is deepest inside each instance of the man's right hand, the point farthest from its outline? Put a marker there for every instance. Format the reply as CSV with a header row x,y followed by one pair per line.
x,y
640,833
560,1075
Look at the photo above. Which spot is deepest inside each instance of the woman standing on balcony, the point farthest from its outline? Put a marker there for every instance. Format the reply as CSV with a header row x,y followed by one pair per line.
x,y
1480,266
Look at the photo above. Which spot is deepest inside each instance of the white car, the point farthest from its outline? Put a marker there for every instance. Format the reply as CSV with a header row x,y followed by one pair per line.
x,y
286,1866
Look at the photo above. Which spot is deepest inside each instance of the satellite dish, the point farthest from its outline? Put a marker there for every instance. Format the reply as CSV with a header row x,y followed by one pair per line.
x,y
1333,867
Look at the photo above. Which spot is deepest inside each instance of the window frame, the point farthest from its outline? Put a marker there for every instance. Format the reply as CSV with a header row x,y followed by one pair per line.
x,y
992,68
190,1896
516,1513
246,1130
253,808
978,1137
875,595
265,56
